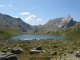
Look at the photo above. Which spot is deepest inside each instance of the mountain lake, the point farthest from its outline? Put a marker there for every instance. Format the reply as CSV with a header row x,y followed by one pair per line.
x,y
37,37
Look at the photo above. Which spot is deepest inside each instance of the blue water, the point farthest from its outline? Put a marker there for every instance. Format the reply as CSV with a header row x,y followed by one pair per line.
x,y
37,37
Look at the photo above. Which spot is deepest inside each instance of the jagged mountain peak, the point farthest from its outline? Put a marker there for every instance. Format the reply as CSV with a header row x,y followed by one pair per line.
x,y
59,23
67,18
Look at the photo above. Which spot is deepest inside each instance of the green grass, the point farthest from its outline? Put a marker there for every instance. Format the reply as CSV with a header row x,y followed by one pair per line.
x,y
71,32
6,33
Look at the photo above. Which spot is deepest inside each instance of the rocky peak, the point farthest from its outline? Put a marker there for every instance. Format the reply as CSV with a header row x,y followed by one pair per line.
x,y
59,23
67,18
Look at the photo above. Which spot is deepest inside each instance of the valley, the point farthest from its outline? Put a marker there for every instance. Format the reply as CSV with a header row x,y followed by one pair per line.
x,y
49,49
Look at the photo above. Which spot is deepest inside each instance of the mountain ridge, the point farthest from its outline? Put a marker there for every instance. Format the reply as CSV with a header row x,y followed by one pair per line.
x,y
57,24
7,21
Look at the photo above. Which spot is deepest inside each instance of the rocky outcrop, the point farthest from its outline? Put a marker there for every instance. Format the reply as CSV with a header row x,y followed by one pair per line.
x,y
7,56
17,50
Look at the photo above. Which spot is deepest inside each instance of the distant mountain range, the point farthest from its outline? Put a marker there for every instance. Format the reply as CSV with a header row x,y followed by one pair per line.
x,y
7,21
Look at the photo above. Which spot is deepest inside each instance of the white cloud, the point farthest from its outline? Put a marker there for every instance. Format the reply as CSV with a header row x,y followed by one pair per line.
x,y
2,5
25,13
29,18
39,19
33,16
16,17
10,5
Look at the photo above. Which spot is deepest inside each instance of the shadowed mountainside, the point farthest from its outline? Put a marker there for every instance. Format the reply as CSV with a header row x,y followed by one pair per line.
x,y
7,21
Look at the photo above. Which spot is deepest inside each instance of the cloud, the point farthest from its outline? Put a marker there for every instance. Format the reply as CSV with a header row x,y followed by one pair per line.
x,y
29,18
16,17
25,13
39,19
2,5
10,5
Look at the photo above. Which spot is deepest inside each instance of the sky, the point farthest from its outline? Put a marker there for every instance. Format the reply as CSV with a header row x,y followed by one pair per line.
x,y
35,12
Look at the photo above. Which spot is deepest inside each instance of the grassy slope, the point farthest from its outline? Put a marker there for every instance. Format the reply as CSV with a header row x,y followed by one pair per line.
x,y
6,33
72,32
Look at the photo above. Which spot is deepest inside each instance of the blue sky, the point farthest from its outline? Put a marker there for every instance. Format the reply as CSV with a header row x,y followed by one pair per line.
x,y
37,12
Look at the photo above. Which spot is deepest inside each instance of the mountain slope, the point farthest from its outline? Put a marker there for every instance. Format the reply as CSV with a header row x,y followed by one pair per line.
x,y
55,24
59,23
7,21
6,33
72,32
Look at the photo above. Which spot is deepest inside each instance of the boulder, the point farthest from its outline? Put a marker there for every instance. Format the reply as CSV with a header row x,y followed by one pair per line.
x,y
7,56
9,48
77,53
53,53
4,51
38,48
55,46
34,52
17,50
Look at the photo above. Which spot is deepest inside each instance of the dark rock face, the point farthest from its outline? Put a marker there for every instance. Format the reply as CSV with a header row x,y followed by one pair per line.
x,y
17,50
7,56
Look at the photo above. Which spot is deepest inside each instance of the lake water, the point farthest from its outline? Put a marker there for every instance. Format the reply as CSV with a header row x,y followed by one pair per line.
x,y
37,37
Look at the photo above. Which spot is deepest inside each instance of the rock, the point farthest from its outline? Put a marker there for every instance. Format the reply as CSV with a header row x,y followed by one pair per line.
x,y
55,46
34,52
53,53
68,56
39,48
63,49
4,51
17,50
7,56
9,48
77,53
